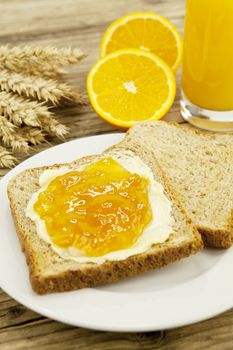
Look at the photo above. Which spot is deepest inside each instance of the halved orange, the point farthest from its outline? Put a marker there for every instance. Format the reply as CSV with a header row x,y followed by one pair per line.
x,y
131,85
146,31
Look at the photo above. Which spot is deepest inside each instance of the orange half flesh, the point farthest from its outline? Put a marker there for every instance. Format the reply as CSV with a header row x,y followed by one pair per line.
x,y
146,31
129,86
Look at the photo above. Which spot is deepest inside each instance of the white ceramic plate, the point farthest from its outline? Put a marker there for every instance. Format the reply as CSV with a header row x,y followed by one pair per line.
x,y
185,292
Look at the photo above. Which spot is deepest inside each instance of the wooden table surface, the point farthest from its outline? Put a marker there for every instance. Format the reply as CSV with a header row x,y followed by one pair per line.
x,y
81,23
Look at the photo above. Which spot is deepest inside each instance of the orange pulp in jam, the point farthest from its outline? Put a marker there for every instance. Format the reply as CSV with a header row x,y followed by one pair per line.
x,y
99,209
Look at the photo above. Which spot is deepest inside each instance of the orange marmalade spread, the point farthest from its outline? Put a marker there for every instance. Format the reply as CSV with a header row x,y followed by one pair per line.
x,y
99,209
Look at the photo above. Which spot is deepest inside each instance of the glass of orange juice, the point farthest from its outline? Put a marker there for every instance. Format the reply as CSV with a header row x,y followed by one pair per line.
x,y
207,72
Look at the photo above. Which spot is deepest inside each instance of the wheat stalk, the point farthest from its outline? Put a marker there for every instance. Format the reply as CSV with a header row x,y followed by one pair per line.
x,y
25,87
45,61
22,111
7,160
38,88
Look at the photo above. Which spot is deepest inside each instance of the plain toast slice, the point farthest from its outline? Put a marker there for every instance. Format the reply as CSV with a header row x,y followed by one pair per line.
x,y
51,273
199,166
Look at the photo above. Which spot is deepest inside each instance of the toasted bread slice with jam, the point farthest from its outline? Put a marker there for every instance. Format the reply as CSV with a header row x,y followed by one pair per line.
x,y
51,273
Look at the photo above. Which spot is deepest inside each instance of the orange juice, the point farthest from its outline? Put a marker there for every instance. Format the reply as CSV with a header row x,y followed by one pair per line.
x,y
207,77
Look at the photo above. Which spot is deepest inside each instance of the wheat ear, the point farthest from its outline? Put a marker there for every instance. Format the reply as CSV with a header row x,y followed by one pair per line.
x,y
38,88
7,160
6,127
22,111
17,142
53,127
10,137
45,61
34,136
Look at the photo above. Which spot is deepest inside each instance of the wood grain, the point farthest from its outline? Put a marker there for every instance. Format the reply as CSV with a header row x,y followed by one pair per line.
x,y
81,23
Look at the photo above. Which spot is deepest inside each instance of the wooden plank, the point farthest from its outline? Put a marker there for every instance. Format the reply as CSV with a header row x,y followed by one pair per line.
x,y
40,333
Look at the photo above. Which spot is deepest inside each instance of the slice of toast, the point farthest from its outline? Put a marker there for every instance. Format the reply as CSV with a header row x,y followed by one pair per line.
x,y
51,273
199,166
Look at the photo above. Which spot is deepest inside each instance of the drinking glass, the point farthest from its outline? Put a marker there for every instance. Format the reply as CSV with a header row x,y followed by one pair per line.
x,y
207,72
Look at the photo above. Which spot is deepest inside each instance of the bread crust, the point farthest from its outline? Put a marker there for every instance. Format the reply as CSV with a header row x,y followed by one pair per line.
x,y
218,238
110,271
